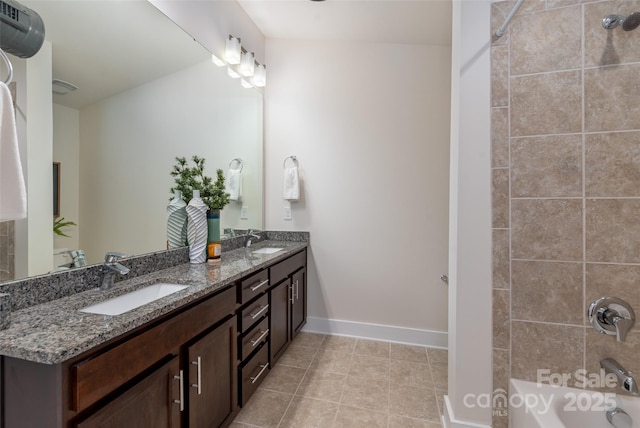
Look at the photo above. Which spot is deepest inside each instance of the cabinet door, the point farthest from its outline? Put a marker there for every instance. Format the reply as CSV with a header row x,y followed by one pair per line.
x,y
212,385
150,403
299,300
279,328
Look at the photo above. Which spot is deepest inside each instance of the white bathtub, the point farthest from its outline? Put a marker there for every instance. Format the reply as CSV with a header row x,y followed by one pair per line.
x,y
533,406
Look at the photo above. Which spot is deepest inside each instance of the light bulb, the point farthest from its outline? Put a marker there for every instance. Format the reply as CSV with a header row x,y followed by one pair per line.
x,y
232,50
247,64
260,76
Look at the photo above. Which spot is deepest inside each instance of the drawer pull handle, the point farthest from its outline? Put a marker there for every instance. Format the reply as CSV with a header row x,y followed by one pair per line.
x,y
297,290
255,287
263,367
257,314
292,299
181,400
258,340
199,384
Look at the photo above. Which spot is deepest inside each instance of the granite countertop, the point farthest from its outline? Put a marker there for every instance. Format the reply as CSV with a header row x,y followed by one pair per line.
x,y
56,331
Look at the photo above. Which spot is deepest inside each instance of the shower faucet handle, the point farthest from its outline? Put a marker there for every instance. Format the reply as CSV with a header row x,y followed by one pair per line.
x,y
611,315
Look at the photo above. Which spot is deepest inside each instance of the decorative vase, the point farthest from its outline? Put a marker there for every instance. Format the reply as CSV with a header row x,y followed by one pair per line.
x,y
197,229
176,221
214,248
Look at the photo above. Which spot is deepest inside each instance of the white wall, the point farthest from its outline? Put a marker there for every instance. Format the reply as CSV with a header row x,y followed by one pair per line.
x,y
470,218
369,124
66,150
128,147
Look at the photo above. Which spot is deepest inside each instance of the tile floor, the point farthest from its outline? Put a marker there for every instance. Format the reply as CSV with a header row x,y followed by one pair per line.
x,y
342,382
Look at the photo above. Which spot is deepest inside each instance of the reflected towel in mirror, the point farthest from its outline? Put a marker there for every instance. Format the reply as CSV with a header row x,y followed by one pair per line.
x,y
234,184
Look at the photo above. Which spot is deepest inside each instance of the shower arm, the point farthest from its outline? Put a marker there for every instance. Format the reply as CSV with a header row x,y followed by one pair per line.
x,y
504,26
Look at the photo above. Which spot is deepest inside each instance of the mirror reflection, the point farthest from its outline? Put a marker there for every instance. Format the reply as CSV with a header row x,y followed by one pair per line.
x,y
147,93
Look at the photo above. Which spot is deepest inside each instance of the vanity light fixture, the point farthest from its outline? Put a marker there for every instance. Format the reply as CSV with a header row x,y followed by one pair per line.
x,y
247,64
260,76
245,84
232,50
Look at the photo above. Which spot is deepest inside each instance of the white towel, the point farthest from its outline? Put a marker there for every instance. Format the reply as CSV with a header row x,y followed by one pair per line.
x,y
13,193
291,187
234,184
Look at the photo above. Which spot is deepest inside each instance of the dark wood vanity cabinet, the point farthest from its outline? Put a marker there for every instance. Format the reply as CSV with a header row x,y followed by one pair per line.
x,y
191,368
150,403
288,297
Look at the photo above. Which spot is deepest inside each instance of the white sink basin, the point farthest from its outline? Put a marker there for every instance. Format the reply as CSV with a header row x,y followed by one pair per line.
x,y
135,299
267,250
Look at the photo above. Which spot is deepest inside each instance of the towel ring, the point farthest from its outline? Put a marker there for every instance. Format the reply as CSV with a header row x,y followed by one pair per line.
x,y
293,159
9,67
238,161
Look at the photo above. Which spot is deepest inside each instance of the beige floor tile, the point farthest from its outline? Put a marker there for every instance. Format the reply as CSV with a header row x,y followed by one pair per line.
x,y
410,373
370,367
372,347
366,393
414,402
408,353
310,340
309,413
283,379
396,421
264,409
339,343
332,361
351,417
297,356
440,376
438,356
322,385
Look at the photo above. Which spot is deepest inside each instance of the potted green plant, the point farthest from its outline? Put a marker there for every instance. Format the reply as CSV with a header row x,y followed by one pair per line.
x,y
213,194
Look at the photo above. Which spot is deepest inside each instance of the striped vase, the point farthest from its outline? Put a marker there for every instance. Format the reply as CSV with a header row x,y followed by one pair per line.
x,y
197,229
176,222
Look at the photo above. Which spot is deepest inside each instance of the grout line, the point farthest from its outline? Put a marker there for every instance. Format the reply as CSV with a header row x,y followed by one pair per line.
x,y
584,188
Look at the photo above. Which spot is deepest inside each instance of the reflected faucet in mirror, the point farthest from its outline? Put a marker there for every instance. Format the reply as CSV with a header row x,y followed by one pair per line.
x,y
110,268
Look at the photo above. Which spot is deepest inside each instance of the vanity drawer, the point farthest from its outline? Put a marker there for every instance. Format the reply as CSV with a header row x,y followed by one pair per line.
x,y
95,377
280,271
254,285
253,373
253,313
254,338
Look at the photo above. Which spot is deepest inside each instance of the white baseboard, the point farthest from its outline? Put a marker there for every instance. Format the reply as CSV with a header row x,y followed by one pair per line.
x,y
411,336
449,419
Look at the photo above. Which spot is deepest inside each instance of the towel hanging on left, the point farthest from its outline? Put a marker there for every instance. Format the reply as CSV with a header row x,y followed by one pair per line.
x,y
13,193
234,181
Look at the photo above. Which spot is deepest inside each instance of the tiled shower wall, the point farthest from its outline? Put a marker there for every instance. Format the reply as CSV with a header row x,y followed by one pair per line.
x,y
7,259
566,185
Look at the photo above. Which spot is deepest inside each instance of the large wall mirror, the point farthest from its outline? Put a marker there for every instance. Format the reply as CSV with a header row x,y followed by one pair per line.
x,y
147,93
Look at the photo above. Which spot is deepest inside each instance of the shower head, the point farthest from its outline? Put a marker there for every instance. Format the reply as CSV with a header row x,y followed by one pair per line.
x,y
628,23
631,22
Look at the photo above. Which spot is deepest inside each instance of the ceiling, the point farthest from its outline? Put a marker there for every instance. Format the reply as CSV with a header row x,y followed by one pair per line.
x,y
376,21
107,46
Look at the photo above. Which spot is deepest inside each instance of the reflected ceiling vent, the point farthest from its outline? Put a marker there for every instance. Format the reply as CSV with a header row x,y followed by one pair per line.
x,y
61,87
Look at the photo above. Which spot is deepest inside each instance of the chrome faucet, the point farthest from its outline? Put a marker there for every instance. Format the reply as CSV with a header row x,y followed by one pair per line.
x,y
251,234
625,379
110,268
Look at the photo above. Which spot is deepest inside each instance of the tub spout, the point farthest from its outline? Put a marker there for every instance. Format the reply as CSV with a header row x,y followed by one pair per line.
x,y
625,379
